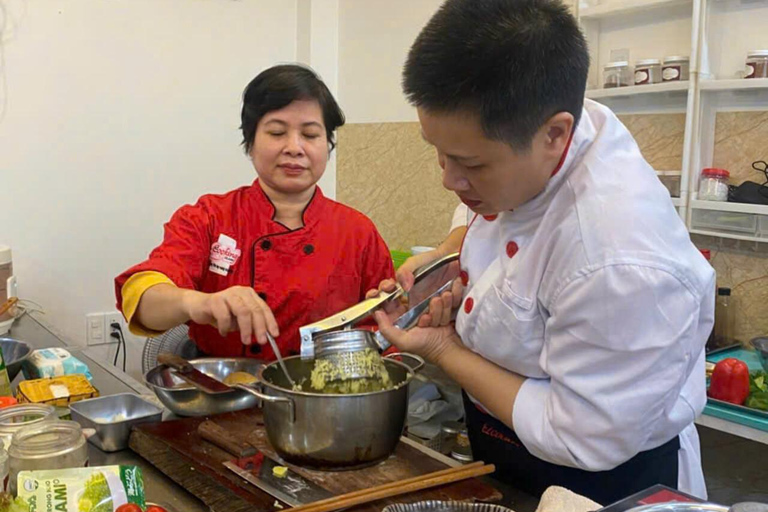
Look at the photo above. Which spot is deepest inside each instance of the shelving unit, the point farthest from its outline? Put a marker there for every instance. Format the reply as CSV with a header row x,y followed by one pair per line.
x,y
620,92
613,9
716,34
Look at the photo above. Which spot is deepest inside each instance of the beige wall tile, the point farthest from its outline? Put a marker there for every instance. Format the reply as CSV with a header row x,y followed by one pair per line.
x,y
660,137
742,267
389,173
740,139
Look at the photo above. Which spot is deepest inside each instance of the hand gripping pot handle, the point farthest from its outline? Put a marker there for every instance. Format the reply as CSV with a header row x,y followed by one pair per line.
x,y
273,399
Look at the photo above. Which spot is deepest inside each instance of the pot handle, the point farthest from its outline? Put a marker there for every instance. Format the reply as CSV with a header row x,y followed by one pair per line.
x,y
272,399
419,360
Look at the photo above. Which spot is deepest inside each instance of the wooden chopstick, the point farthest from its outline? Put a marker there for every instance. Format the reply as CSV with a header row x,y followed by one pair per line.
x,y
399,487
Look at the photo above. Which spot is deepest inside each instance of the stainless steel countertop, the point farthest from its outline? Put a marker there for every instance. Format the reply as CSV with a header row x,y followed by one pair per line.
x,y
109,381
159,488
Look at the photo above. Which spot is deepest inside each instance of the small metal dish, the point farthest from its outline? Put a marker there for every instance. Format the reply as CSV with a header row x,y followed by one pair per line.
x,y
184,400
113,417
15,352
445,506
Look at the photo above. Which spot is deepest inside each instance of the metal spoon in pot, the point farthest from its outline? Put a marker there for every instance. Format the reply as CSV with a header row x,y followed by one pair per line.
x,y
276,350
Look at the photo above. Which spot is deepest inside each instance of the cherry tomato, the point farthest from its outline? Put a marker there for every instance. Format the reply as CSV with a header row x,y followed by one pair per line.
x,y
129,507
155,508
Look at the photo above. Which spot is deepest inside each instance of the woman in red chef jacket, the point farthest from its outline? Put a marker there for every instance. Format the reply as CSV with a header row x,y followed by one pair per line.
x,y
269,257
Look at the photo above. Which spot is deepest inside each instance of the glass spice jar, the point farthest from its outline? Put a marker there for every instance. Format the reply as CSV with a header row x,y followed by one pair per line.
x,y
713,185
49,445
616,74
675,68
647,71
757,64
16,417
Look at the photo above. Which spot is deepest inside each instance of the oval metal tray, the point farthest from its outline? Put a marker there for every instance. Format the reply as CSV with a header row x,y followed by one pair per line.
x,y
445,506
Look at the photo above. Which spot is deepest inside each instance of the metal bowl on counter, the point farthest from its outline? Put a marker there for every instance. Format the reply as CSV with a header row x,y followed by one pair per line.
x,y
15,352
333,431
185,400
445,506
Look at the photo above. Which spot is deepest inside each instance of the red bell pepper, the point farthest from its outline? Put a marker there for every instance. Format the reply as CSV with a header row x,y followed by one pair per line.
x,y
730,381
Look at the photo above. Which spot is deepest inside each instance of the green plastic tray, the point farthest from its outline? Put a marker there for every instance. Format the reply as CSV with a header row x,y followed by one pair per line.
x,y
736,413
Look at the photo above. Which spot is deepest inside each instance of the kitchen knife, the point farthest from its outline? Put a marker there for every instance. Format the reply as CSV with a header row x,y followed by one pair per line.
x,y
291,488
189,373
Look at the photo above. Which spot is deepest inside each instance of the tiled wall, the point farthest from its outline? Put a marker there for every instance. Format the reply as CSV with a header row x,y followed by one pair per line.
x,y
388,172
740,139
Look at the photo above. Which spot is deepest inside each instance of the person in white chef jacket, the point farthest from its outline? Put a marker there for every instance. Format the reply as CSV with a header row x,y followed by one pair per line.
x,y
583,307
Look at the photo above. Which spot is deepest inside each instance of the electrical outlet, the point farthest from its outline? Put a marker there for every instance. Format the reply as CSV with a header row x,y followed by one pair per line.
x,y
94,328
114,317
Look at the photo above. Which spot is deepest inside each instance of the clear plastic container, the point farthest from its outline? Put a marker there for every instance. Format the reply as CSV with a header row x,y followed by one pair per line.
x,y
671,180
713,185
675,68
3,469
648,71
757,64
617,74
16,417
49,445
6,271
725,318
724,221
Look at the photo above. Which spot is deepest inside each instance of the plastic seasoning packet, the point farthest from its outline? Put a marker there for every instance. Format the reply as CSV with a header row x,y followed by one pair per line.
x,y
98,489
53,362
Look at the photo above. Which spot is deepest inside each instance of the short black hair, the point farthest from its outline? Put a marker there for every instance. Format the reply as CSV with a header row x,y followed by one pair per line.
x,y
515,63
278,87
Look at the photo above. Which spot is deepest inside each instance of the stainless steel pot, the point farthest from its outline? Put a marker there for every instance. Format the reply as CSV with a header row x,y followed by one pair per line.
x,y
333,432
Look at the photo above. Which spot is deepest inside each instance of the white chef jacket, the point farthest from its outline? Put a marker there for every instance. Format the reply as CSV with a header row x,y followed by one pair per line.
x,y
594,291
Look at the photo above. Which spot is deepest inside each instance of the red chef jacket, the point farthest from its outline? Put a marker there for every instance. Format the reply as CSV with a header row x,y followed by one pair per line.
x,y
303,275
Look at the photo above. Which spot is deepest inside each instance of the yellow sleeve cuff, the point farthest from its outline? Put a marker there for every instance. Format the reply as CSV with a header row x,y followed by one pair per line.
x,y
132,291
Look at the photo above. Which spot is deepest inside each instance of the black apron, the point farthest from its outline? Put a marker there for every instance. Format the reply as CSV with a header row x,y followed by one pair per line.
x,y
495,443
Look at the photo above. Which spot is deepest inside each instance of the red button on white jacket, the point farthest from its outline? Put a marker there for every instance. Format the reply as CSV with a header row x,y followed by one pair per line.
x,y
512,249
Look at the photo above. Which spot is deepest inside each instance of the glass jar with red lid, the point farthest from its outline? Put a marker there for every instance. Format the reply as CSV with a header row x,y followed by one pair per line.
x,y
713,185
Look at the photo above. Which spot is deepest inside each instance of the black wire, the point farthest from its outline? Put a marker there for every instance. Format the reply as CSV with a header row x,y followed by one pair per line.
x,y
117,352
121,341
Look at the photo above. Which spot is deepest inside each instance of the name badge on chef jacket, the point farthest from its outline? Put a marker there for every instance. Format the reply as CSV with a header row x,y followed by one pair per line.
x,y
224,254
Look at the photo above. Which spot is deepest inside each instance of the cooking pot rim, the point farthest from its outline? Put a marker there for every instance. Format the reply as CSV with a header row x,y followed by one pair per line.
x,y
410,373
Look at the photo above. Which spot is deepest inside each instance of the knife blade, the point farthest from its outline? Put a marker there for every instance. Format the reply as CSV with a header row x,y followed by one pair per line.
x,y
293,489
189,373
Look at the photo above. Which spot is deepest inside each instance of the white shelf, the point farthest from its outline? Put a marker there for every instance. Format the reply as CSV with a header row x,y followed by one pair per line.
x,y
722,206
630,7
634,90
737,84
728,234
678,202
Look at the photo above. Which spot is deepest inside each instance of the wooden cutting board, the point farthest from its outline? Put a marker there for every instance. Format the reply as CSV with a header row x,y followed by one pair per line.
x,y
176,449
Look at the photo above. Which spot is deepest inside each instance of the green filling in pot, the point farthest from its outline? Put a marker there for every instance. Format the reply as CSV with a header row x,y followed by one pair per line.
x,y
330,378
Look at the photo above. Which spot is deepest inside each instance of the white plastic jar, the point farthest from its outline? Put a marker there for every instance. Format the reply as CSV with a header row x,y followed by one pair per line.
x,y
713,184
